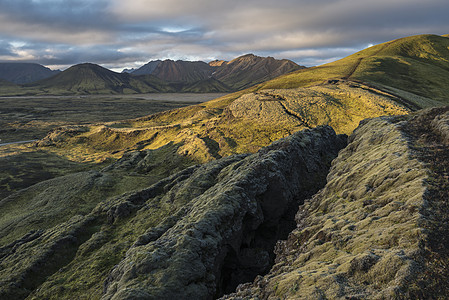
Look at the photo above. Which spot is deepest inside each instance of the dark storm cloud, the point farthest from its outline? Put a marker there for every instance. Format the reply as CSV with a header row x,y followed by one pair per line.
x,y
128,33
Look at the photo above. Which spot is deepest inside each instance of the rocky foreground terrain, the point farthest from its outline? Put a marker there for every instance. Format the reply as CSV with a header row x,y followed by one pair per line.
x,y
378,228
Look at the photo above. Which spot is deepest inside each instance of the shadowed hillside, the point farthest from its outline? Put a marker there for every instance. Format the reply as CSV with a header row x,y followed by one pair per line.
x,y
156,76
22,73
176,71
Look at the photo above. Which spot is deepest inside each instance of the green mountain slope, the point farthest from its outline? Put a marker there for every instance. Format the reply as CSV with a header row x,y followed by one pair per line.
x,y
409,67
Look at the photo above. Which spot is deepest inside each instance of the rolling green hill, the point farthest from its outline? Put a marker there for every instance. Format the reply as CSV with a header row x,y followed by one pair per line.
x,y
409,67
340,94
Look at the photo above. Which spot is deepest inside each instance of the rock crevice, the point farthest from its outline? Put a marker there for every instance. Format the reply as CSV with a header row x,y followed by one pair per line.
x,y
226,234
377,229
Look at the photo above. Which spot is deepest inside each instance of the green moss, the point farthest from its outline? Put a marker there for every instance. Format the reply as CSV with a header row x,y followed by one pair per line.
x,y
416,64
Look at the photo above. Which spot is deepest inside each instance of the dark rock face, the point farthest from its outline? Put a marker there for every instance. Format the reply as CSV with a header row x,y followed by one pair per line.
x,y
379,228
227,233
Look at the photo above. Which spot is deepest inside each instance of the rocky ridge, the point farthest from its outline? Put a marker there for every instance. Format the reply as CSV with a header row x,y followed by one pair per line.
x,y
197,233
378,229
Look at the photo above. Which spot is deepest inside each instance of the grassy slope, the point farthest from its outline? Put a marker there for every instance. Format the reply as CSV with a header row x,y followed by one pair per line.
x,y
417,64
56,200
237,123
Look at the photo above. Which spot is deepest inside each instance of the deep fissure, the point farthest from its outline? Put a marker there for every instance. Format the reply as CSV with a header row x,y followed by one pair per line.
x,y
255,253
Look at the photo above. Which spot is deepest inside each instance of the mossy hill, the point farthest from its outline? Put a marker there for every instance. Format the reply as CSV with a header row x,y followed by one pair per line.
x,y
226,126
414,68
78,227
247,120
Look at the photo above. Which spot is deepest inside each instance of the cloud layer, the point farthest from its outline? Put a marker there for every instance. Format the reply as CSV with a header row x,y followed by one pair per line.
x,y
118,34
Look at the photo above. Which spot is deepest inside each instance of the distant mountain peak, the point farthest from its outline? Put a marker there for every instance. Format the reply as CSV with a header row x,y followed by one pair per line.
x,y
22,73
128,70
217,63
249,69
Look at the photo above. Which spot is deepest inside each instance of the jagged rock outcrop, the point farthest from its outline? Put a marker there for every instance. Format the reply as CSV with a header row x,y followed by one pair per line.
x,y
226,233
379,228
194,235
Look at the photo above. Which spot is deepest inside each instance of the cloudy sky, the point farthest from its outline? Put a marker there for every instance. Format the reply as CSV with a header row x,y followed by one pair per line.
x,y
128,33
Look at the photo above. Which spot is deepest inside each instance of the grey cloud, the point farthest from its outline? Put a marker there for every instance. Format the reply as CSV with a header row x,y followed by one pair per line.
x,y
115,32
68,55
72,15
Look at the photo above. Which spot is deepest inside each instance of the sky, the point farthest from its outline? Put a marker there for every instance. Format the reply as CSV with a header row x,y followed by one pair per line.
x,y
121,34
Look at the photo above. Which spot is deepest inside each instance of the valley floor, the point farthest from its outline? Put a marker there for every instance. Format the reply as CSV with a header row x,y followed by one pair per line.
x,y
25,119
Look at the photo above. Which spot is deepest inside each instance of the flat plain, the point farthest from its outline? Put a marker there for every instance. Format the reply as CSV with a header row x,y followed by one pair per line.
x,y
31,117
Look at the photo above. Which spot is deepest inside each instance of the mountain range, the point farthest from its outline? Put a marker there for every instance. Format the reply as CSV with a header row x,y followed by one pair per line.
x,y
324,183
22,73
156,76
